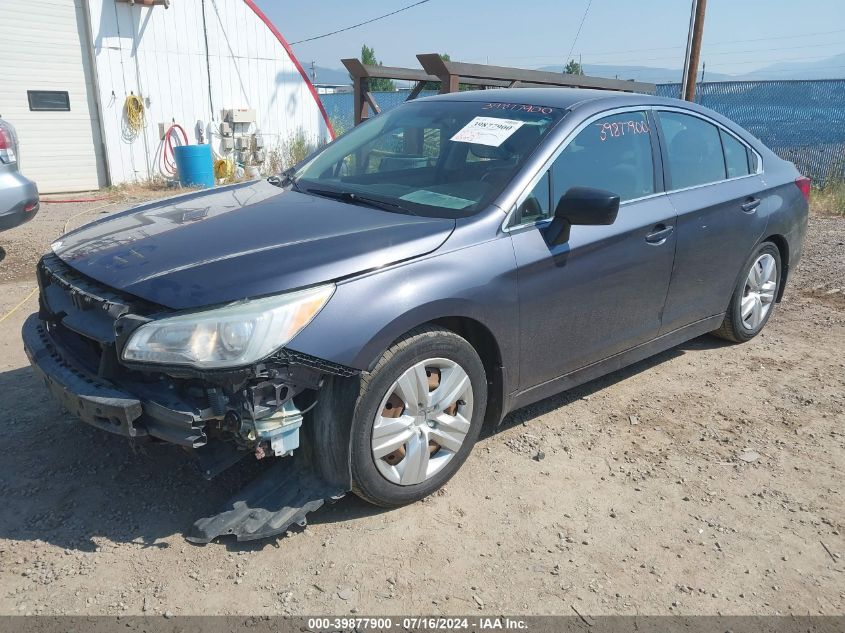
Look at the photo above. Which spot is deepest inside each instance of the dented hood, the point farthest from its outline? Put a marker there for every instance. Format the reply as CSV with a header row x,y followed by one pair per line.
x,y
242,241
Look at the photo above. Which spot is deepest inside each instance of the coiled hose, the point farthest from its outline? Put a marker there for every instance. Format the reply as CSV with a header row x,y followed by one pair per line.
x,y
135,112
168,166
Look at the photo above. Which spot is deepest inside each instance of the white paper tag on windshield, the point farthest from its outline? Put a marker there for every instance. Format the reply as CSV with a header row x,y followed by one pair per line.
x,y
487,130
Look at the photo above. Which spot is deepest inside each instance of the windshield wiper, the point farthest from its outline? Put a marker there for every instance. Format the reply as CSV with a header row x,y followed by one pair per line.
x,y
284,179
356,198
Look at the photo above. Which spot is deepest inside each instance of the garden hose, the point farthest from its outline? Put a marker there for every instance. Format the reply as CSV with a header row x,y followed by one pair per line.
x,y
224,168
135,114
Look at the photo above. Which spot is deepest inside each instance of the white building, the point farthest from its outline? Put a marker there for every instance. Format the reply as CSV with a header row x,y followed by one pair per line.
x,y
69,65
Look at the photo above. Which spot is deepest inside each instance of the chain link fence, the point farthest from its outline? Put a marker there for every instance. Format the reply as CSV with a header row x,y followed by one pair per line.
x,y
802,121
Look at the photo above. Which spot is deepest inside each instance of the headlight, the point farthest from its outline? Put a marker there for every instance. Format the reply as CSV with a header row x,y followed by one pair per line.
x,y
238,334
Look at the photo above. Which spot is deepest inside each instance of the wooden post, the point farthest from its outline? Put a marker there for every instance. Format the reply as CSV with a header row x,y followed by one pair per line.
x,y
360,87
694,49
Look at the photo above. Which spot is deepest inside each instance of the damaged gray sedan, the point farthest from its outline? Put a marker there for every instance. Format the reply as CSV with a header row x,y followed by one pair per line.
x,y
358,318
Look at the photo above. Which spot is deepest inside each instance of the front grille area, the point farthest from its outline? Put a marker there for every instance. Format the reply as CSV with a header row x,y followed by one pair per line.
x,y
80,313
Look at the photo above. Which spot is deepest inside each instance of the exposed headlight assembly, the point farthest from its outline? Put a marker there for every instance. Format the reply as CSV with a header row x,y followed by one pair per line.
x,y
234,335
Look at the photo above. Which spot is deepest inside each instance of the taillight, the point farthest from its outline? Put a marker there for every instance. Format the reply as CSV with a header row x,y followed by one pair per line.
x,y
7,146
804,184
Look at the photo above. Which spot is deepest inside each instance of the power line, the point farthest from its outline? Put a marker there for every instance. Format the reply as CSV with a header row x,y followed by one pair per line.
x,y
815,58
709,55
790,70
755,50
355,26
580,26
667,48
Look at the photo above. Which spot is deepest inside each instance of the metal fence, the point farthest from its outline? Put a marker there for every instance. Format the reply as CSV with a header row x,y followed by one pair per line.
x,y
341,108
802,121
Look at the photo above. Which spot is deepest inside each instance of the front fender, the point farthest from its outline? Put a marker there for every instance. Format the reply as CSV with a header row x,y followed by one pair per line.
x,y
368,313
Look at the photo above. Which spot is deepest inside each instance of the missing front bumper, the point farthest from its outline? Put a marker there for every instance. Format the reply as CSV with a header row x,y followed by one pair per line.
x,y
282,497
103,404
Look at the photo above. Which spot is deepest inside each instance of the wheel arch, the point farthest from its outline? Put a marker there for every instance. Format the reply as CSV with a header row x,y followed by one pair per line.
x,y
478,334
783,248
485,344
329,439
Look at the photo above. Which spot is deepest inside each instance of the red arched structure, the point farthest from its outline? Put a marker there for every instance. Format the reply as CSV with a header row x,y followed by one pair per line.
x,y
296,63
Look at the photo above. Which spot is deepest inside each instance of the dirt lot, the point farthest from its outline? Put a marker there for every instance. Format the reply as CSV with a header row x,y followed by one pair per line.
x,y
706,480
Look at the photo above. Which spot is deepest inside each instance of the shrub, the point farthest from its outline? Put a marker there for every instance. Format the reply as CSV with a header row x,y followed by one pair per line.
x,y
829,199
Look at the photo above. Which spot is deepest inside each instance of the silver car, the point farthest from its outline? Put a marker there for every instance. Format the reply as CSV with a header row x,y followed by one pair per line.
x,y
18,195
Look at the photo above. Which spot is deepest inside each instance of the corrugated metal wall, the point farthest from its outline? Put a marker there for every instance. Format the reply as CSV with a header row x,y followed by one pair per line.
x,y
160,54
43,47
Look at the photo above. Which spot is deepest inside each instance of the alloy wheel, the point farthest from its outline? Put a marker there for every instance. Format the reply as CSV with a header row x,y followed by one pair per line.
x,y
759,294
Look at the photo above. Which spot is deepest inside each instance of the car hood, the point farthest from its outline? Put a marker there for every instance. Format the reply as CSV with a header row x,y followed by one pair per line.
x,y
242,241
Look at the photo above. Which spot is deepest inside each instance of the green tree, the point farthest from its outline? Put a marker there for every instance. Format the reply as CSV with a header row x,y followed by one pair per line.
x,y
573,68
368,58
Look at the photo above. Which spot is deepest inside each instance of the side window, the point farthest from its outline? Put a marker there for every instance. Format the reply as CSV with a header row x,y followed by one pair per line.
x,y
613,153
536,205
753,161
693,150
736,156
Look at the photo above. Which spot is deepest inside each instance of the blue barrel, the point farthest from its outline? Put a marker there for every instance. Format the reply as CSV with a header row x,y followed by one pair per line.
x,y
194,164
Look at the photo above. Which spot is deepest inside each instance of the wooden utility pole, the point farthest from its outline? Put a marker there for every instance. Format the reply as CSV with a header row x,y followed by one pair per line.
x,y
693,54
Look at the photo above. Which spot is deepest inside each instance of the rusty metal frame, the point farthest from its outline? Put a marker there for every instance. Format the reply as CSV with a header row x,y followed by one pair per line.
x,y
452,75
364,99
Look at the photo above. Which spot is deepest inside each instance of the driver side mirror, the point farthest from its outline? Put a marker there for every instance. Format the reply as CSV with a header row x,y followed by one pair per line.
x,y
583,206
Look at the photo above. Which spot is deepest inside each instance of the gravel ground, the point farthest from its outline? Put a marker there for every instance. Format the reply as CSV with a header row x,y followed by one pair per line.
x,y
705,480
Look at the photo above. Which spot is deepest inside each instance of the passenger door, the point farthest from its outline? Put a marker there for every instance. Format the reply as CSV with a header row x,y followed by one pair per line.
x,y
713,184
601,292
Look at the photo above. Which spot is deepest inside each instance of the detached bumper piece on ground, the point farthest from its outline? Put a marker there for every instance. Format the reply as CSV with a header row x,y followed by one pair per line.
x,y
221,418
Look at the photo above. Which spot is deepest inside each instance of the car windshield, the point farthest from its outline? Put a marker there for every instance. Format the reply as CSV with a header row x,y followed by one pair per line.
x,y
431,157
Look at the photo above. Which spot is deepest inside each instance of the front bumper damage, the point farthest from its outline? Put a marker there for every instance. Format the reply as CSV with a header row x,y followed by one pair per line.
x,y
103,405
73,345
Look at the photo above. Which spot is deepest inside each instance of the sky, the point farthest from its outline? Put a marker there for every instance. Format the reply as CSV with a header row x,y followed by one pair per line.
x,y
740,36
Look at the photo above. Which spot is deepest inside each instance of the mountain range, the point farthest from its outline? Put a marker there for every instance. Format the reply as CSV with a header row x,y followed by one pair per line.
x,y
829,68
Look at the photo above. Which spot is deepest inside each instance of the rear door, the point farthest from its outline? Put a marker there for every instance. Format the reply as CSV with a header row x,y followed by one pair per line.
x,y
714,186
603,291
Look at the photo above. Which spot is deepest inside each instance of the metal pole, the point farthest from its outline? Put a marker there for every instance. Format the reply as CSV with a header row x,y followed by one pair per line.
x,y
695,50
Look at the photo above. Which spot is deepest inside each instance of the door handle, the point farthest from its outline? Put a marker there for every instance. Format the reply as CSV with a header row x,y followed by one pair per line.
x,y
659,234
750,205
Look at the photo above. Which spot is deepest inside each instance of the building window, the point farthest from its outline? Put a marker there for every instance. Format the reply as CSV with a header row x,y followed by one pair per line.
x,y
48,100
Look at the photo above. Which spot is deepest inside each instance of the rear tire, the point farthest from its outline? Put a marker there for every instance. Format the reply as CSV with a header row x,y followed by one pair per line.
x,y
416,450
753,299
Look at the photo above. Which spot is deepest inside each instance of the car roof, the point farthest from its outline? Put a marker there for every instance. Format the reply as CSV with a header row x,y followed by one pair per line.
x,y
566,98
548,97
589,101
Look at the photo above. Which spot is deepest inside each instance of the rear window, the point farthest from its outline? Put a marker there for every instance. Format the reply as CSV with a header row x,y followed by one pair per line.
x,y
693,150
736,156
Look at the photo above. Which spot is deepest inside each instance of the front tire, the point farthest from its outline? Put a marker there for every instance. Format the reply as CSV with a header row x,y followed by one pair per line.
x,y
417,417
753,300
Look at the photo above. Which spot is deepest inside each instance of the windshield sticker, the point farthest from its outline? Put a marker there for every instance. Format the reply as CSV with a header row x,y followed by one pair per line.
x,y
520,107
434,199
621,128
486,130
